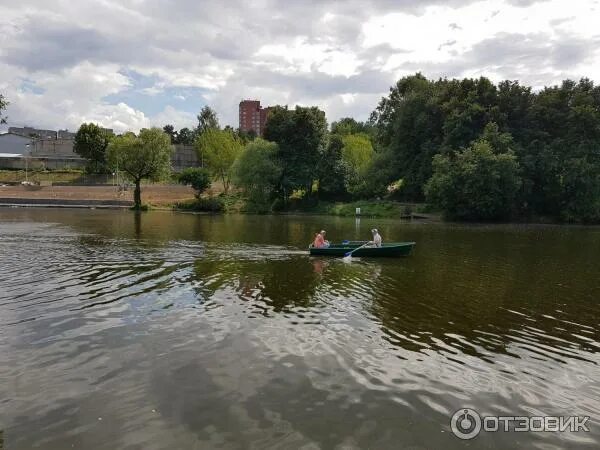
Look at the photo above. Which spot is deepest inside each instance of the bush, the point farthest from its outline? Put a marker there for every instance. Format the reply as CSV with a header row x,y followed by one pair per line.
x,y
211,204
198,178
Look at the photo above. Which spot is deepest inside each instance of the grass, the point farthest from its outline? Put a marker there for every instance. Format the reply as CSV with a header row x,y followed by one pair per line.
x,y
368,208
55,176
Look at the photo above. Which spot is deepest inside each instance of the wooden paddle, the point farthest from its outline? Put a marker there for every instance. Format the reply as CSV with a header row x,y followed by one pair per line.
x,y
349,254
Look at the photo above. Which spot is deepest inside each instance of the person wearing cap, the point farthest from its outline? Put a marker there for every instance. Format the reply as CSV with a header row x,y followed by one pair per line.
x,y
376,238
320,241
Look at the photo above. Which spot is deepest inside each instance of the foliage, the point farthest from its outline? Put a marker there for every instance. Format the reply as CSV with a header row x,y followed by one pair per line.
x,y
219,150
348,125
332,170
247,136
475,184
358,156
170,130
139,157
91,143
257,171
185,137
3,105
554,133
207,120
211,204
301,137
198,178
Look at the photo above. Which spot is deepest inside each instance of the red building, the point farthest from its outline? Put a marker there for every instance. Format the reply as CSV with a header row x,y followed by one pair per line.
x,y
253,117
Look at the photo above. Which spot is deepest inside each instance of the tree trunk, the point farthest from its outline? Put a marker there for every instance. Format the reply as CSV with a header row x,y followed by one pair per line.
x,y
225,184
137,195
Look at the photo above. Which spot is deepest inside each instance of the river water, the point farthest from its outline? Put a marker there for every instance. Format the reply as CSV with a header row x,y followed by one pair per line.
x,y
166,330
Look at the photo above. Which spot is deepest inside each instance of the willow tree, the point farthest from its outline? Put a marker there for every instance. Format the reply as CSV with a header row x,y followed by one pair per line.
x,y
219,149
146,156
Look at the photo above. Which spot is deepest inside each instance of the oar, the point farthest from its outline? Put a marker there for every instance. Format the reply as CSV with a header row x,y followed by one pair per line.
x,y
349,254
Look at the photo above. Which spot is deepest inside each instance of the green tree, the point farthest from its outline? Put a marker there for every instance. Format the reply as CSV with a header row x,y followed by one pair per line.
x,y
332,170
357,154
475,184
348,125
301,137
198,178
185,137
219,149
257,171
207,119
146,156
3,105
580,183
170,130
91,143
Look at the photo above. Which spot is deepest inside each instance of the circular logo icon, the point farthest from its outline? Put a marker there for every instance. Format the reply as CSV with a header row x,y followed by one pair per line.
x,y
465,423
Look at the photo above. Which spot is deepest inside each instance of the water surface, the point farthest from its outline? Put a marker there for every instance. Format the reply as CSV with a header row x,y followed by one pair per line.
x,y
167,330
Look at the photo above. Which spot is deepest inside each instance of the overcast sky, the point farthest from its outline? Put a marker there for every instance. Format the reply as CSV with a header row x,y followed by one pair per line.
x,y
128,64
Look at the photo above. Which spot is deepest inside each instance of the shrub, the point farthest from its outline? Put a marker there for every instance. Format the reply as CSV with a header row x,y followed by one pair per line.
x,y
198,178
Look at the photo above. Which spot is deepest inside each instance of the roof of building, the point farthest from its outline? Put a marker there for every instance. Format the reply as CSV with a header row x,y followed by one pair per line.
x,y
17,134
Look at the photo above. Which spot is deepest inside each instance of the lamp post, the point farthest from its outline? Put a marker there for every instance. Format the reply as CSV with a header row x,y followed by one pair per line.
x,y
27,151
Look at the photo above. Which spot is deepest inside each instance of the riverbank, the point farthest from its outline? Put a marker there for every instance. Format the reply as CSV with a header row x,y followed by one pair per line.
x,y
160,196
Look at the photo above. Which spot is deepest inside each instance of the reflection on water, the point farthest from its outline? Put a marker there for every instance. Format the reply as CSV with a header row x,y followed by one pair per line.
x,y
167,330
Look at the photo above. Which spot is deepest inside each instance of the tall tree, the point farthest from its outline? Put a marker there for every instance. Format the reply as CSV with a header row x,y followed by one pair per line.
x,y
348,125
219,149
170,130
476,184
300,135
91,143
3,105
185,136
257,171
146,156
357,154
332,170
207,119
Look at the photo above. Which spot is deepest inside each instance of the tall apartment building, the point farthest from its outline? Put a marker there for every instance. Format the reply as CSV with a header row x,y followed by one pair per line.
x,y
253,117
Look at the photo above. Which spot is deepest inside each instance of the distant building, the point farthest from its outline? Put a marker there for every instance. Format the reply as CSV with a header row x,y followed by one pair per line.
x,y
38,133
33,132
253,117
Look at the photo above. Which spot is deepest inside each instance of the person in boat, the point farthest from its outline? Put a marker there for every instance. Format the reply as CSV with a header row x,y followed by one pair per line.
x,y
376,242
320,241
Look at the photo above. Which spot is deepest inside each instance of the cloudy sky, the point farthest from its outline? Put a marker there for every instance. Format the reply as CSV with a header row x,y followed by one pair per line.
x,y
128,64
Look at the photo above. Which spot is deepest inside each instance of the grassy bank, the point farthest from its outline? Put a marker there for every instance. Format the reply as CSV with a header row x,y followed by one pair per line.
x,y
375,208
54,176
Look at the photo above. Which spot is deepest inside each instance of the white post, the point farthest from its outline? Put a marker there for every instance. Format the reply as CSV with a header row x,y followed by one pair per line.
x,y
26,162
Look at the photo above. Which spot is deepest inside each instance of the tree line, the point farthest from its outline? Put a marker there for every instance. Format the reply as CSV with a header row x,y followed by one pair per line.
x,y
480,151
470,148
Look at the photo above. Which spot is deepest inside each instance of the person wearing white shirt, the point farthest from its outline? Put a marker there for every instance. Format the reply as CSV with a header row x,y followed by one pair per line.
x,y
376,238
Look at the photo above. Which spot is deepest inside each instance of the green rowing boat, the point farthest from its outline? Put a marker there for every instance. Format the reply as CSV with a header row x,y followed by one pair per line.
x,y
389,249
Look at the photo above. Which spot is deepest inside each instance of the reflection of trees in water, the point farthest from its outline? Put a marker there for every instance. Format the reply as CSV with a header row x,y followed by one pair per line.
x,y
281,284
486,295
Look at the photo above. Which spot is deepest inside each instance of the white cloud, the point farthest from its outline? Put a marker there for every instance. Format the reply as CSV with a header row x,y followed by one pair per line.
x,y
341,56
